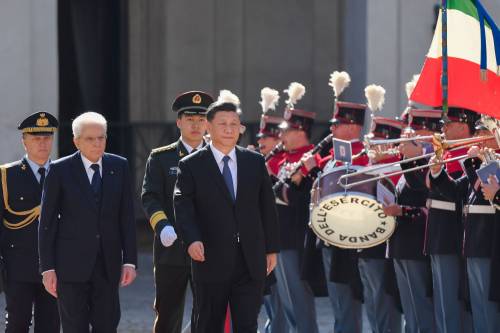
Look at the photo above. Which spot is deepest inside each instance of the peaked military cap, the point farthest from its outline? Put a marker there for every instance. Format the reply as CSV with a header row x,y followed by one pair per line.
x,y
39,123
349,113
192,103
386,128
269,126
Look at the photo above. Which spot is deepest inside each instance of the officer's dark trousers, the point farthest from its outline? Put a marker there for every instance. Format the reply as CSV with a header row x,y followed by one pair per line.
x,y
242,293
95,303
20,298
171,283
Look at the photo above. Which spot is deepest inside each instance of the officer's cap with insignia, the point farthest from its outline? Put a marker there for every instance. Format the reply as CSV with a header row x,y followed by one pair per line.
x,y
192,103
39,123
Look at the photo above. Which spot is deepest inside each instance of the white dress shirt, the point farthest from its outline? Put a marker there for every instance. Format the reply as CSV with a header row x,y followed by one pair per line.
x,y
189,148
233,166
88,167
90,173
35,167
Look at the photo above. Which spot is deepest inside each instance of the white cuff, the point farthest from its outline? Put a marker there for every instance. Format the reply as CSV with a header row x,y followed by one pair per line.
x,y
129,265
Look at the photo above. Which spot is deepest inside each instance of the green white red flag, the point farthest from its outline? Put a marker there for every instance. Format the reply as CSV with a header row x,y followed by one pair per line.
x,y
473,42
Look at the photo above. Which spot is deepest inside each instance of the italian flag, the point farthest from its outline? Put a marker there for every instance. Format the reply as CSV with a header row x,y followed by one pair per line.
x,y
468,86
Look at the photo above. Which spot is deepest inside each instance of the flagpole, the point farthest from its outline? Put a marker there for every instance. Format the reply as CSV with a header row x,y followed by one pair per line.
x,y
444,57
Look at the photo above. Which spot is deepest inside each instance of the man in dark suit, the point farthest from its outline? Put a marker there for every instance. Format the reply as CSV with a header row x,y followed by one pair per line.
x,y
172,265
20,197
87,241
225,211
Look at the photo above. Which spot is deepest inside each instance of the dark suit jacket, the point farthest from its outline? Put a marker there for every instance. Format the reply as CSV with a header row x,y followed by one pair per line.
x,y
19,239
73,229
205,212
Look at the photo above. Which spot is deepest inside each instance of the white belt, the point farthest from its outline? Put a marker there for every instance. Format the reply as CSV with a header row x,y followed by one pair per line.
x,y
479,209
439,204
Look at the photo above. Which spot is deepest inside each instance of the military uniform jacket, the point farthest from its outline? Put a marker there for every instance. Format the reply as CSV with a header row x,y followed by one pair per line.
x,y
444,228
19,212
344,265
478,228
157,200
294,217
408,239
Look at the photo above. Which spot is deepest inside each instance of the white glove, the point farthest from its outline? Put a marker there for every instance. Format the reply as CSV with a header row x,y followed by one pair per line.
x,y
168,236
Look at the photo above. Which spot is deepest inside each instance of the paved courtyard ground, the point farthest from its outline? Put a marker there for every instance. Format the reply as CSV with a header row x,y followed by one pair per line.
x,y
137,311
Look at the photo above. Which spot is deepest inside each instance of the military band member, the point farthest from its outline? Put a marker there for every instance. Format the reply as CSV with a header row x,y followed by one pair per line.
x,y
22,183
444,234
412,267
268,139
171,263
478,240
293,200
375,271
341,266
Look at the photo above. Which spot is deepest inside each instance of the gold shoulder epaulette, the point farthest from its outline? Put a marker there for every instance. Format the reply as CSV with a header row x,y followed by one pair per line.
x,y
29,215
8,165
171,146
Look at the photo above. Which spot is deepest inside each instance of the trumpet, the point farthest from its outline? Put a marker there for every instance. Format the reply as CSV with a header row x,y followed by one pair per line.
x,y
440,146
295,167
370,142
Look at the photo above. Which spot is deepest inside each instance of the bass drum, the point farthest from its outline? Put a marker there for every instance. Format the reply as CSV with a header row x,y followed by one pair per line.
x,y
352,219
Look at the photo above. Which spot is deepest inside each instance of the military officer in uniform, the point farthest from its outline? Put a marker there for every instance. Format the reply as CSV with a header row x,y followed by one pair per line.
x,y
20,198
171,263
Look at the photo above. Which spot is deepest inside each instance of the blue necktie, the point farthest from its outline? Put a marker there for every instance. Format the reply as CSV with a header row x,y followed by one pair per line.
x,y
41,171
96,182
228,177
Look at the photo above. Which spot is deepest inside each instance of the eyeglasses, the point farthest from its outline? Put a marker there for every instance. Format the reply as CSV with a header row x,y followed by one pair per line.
x,y
97,139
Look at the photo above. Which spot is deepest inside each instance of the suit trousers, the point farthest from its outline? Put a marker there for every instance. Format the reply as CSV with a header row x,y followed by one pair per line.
x,y
347,313
485,314
242,293
276,322
411,276
170,284
296,295
20,298
94,302
449,310
381,310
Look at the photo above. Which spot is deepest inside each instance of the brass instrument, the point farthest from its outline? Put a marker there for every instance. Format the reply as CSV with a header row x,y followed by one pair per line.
x,y
440,146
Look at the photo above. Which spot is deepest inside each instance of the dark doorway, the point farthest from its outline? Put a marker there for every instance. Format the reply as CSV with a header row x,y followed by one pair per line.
x,y
93,68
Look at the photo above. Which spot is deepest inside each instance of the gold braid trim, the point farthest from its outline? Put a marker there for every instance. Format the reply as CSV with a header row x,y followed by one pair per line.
x,y
157,217
31,214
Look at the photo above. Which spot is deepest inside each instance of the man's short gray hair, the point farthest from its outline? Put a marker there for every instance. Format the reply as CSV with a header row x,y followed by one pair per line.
x,y
88,118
